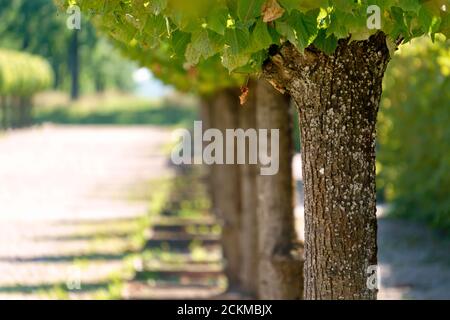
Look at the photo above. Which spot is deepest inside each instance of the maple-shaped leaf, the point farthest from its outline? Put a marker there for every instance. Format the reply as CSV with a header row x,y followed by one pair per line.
x,y
272,11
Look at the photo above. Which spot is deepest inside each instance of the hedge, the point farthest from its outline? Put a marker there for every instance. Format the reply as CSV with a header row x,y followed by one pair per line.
x,y
21,76
414,133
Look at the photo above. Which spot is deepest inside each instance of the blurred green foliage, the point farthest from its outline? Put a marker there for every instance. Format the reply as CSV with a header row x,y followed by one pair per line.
x,y
22,75
414,133
120,109
38,27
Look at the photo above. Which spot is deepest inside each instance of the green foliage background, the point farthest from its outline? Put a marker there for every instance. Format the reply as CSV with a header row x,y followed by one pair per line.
x,y
414,133
37,27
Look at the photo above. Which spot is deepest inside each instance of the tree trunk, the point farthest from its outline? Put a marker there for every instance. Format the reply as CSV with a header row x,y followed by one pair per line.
x,y
14,112
338,97
249,222
24,110
227,188
4,111
207,117
280,269
74,65
57,75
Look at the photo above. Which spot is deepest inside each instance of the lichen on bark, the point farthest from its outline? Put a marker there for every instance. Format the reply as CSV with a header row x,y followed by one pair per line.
x,y
337,97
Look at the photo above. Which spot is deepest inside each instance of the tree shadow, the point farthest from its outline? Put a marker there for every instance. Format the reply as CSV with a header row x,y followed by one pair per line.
x,y
69,258
93,222
86,237
414,259
29,289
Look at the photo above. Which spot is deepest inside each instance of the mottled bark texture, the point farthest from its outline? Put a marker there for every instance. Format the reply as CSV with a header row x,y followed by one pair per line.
x,y
227,187
338,97
281,262
249,223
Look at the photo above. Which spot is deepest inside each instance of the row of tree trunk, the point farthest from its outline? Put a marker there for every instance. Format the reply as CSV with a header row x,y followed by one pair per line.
x,y
263,256
337,98
15,112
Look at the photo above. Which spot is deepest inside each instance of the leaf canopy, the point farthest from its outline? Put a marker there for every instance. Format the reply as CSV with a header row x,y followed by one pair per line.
x,y
241,32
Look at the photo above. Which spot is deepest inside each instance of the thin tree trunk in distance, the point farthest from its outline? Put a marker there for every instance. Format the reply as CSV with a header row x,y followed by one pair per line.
x,y
338,98
281,262
227,187
15,112
21,112
24,109
4,110
74,65
249,227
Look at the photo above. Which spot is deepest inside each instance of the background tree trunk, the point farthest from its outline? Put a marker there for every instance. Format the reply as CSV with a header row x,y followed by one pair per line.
x,y
249,227
25,110
207,116
227,187
338,98
74,65
4,111
280,269
14,112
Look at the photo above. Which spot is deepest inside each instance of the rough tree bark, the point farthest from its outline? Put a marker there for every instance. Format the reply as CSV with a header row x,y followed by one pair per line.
x,y
280,268
338,97
227,187
249,222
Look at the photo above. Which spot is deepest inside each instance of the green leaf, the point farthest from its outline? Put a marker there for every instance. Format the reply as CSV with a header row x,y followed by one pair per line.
x,y
399,25
180,41
199,47
326,44
290,5
249,9
286,31
155,26
157,6
305,26
445,25
217,21
411,5
307,5
260,38
237,39
233,61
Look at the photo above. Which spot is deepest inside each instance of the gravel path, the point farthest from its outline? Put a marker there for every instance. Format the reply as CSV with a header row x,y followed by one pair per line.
x,y
66,211
66,207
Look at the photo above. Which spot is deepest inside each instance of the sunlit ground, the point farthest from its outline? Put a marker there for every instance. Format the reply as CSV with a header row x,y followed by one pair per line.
x,y
73,199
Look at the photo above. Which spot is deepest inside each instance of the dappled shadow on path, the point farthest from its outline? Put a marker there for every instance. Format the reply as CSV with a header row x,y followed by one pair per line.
x,y
70,207
68,258
84,237
43,287
414,261
95,259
